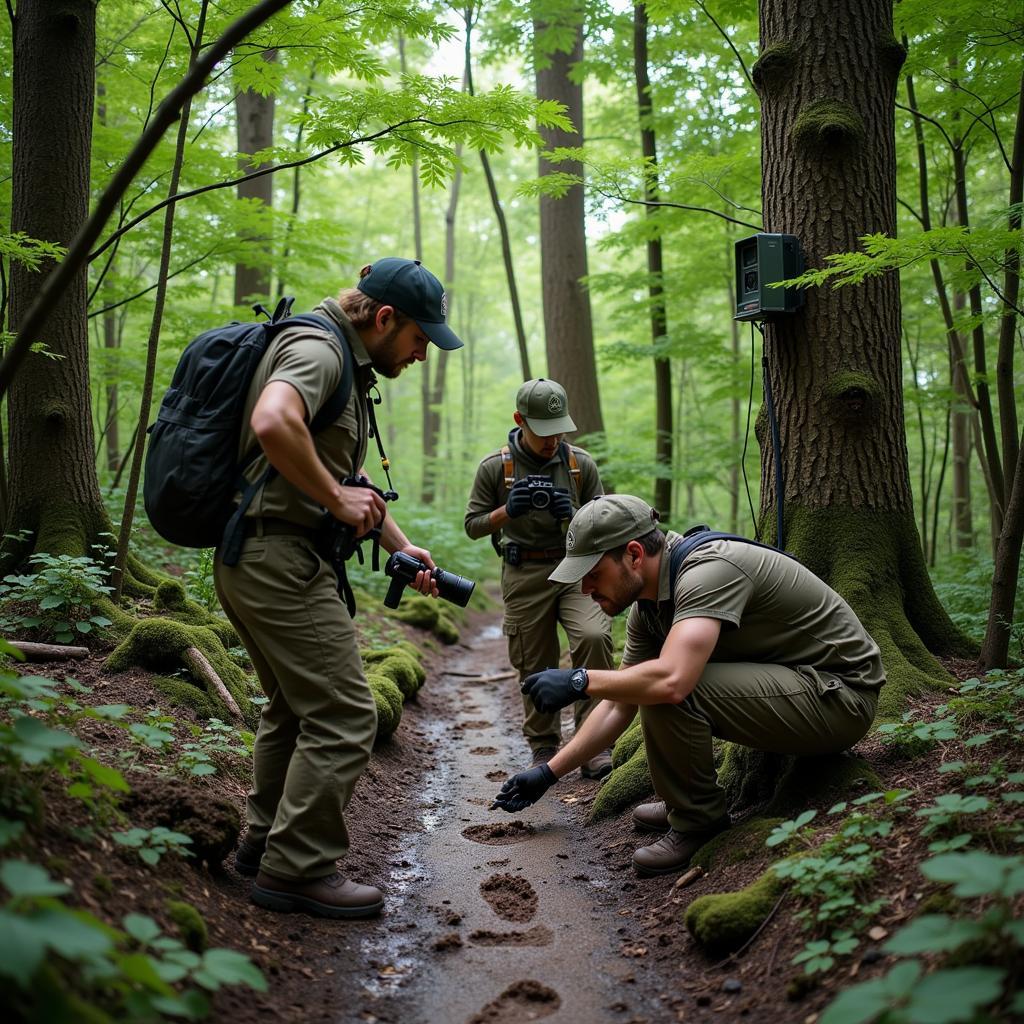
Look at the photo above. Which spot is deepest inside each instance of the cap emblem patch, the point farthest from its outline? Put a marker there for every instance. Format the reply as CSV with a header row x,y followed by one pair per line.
x,y
554,404
444,305
570,541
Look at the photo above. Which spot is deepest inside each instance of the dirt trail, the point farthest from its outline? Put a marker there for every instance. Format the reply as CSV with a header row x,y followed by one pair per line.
x,y
485,921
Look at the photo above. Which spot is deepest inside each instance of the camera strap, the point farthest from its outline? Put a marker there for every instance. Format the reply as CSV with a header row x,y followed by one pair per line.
x,y
373,398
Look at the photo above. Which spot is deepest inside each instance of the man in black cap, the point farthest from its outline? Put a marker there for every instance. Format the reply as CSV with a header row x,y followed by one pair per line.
x,y
317,729
735,640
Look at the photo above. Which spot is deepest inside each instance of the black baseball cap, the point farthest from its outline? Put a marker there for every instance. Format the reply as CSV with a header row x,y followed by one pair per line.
x,y
411,288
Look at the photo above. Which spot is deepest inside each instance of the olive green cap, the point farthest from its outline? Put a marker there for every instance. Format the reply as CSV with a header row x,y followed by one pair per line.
x,y
544,406
606,522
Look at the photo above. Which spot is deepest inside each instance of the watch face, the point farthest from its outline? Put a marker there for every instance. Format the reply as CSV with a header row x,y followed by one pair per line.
x,y
579,679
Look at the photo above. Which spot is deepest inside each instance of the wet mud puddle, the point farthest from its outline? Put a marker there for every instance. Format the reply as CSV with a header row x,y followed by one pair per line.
x,y
483,920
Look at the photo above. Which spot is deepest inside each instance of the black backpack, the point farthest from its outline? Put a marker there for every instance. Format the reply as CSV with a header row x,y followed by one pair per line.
x,y
698,536
192,468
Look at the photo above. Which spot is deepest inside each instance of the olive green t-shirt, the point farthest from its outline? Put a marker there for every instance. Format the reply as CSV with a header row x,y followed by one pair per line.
x,y
773,611
536,530
310,360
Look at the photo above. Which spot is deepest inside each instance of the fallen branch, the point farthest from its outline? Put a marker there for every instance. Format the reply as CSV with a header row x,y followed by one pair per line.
x,y
48,652
688,878
476,677
199,664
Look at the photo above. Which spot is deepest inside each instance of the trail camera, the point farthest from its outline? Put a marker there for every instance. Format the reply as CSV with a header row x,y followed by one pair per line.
x,y
761,261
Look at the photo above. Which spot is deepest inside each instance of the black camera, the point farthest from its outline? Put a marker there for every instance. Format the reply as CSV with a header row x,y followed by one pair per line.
x,y
336,541
402,569
541,488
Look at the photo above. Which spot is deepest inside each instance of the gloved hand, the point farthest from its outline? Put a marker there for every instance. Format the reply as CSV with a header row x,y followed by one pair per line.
x,y
524,789
561,505
518,503
556,688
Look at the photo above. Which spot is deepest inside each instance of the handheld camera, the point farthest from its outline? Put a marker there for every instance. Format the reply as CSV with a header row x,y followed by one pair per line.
x,y
541,488
402,569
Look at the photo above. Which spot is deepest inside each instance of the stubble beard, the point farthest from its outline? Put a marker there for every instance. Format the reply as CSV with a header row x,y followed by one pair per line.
x,y
385,359
624,593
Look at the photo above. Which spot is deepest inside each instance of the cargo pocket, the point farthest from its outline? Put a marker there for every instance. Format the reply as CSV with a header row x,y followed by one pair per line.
x,y
516,654
305,563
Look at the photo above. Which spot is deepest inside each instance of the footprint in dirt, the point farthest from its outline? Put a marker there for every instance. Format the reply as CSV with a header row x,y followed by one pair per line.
x,y
476,723
496,776
483,750
502,833
511,897
538,935
521,1001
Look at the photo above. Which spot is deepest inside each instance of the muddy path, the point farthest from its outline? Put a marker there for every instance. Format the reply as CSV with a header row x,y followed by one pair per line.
x,y
489,917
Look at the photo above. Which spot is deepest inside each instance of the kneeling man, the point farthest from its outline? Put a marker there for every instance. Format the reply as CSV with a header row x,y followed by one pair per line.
x,y
737,641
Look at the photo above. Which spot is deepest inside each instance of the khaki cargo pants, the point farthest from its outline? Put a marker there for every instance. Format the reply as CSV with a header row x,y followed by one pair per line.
x,y
768,707
533,609
316,732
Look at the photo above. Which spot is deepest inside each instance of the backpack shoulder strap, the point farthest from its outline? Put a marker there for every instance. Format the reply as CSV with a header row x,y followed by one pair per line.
x,y
508,467
572,464
698,536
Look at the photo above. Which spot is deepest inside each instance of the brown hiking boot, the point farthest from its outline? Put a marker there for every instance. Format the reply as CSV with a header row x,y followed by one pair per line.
x,y
652,817
333,896
248,857
542,755
673,851
598,766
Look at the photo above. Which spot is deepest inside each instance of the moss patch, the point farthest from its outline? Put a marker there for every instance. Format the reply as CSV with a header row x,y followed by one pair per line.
x,y
628,743
774,68
739,843
828,128
159,644
185,694
388,699
190,924
722,922
172,602
402,668
426,613
626,784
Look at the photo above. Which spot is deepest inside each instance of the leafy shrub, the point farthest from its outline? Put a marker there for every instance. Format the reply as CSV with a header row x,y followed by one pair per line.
x,y
56,601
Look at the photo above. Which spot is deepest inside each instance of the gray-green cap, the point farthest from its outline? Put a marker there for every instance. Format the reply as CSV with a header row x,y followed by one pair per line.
x,y
606,522
544,406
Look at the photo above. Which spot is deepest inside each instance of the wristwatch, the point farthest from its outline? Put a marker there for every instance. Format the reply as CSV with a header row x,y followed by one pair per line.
x,y
579,680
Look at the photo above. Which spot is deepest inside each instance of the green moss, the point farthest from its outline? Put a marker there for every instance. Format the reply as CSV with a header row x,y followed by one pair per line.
x,y
774,68
722,922
159,644
186,694
626,784
102,884
628,743
427,613
739,843
828,128
388,699
190,924
170,596
749,777
172,602
399,666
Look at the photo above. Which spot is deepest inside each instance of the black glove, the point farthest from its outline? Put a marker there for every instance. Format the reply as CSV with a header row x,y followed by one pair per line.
x,y
556,688
561,505
524,789
519,502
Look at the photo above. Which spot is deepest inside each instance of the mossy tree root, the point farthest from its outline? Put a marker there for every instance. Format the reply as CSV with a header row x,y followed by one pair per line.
x,y
722,922
395,675
160,644
628,743
626,784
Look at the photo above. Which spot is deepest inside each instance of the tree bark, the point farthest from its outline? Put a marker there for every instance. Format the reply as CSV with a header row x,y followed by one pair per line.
x,y
255,124
827,78
50,423
655,286
568,328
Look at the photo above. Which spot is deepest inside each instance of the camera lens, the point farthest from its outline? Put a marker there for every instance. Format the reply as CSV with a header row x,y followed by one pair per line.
x,y
750,281
453,587
540,499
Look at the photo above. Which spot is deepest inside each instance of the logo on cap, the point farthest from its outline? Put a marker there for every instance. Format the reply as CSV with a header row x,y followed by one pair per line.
x,y
444,305
554,404
570,541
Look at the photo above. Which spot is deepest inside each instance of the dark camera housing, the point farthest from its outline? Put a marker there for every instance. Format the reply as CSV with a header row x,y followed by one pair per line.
x,y
402,569
541,488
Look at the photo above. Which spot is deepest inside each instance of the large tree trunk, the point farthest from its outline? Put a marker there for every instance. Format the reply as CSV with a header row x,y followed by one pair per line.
x,y
568,329
255,122
827,76
656,290
50,423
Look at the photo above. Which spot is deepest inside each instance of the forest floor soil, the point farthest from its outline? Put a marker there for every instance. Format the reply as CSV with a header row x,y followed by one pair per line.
x,y
488,917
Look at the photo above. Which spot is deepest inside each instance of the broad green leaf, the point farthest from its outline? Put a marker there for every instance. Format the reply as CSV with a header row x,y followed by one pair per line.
x,y
933,933
10,830
104,775
22,947
857,1004
73,937
139,968
977,873
953,995
22,880
229,967
109,712
140,927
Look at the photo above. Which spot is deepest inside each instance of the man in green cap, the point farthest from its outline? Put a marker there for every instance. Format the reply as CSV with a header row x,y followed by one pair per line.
x,y
526,493
318,726
735,640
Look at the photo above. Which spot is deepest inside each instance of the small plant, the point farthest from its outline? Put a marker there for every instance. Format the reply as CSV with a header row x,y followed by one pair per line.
x,y
199,581
153,843
912,738
57,600
217,737
820,955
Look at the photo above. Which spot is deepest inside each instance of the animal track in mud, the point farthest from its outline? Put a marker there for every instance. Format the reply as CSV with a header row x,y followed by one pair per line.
x,y
538,935
499,833
523,1000
476,723
511,897
496,776
483,750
